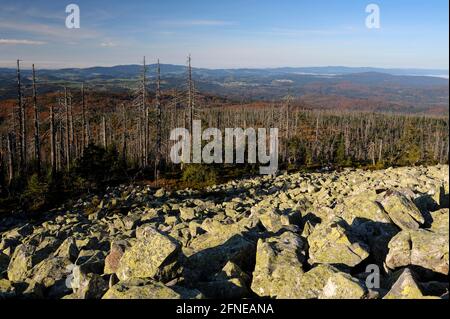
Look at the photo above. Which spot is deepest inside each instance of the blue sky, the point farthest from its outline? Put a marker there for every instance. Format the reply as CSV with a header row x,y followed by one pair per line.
x,y
226,33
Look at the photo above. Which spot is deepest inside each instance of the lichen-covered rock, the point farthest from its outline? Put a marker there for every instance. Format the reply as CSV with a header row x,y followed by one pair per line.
x,y
115,255
207,254
91,261
333,218
52,273
279,267
88,286
187,213
140,289
420,248
68,249
361,208
402,210
231,270
7,289
343,286
313,281
377,236
232,288
405,287
24,258
334,243
271,221
440,221
4,262
153,256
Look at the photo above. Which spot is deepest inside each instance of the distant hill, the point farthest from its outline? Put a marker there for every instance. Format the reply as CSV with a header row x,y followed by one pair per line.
x,y
408,90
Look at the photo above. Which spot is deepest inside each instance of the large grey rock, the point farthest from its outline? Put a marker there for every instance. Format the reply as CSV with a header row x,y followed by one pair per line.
x,y
343,286
68,249
88,286
207,254
362,207
334,243
279,267
405,287
402,210
7,289
116,252
153,256
440,221
52,273
313,281
187,213
24,258
141,289
420,248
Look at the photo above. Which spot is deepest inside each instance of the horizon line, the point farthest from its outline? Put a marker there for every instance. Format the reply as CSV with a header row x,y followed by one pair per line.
x,y
24,67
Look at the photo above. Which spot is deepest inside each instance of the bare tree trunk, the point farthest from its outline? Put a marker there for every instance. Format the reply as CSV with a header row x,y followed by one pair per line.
x,y
145,130
37,141
380,152
22,124
73,139
67,129
83,121
158,123
124,133
52,139
10,151
104,144
190,96
60,146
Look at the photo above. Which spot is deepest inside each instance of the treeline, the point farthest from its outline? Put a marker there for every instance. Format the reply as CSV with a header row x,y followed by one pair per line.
x,y
67,144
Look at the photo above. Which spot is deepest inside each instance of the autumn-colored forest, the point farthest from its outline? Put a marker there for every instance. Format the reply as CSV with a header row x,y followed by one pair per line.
x,y
79,139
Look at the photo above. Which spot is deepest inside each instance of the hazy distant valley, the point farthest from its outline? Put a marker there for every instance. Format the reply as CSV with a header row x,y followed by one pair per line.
x,y
372,89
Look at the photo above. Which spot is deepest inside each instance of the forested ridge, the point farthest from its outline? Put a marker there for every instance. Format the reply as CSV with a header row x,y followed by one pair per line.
x,y
80,140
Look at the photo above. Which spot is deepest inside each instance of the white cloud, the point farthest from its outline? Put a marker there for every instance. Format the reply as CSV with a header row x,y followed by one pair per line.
x,y
19,42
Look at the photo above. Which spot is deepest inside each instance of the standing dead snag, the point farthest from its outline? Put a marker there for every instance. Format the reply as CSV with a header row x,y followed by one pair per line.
x,y
73,138
104,144
145,130
67,129
83,121
190,95
158,122
52,139
22,123
37,141
124,133
10,151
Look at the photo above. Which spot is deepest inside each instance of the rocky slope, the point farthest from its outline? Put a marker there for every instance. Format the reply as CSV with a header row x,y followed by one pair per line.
x,y
316,235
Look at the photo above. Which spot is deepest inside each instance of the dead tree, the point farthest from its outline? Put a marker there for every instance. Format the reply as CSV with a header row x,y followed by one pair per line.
x,y
37,141
22,123
158,122
190,95
83,121
73,139
10,159
67,129
52,140
104,144
124,133
145,122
